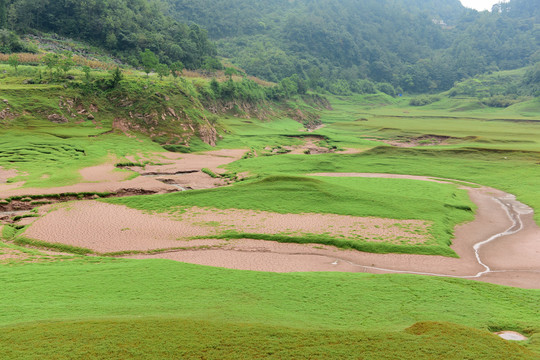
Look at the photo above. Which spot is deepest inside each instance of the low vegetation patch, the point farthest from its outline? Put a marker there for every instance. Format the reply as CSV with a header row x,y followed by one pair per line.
x,y
187,338
23,241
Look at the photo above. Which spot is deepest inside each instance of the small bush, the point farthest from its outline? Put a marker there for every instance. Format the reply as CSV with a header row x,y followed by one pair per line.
x,y
499,101
423,100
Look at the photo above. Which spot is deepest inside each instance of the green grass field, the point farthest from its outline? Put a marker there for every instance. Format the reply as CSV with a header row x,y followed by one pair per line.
x,y
61,307
165,304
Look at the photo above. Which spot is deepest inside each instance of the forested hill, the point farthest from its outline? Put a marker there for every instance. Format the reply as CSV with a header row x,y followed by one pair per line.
x,y
123,27
416,45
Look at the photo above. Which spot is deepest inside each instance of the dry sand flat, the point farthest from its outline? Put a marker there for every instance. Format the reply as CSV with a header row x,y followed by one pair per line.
x,y
510,257
5,175
105,227
103,172
106,178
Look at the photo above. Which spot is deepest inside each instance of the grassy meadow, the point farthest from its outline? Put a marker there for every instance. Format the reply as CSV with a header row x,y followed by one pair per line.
x,y
61,307
165,304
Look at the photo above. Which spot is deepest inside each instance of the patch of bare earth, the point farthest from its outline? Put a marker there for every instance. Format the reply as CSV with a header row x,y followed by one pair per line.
x,y
8,255
425,140
105,227
103,173
5,175
310,146
175,172
513,259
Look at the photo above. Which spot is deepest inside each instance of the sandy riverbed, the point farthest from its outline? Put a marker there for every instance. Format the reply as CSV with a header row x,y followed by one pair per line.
x,y
513,260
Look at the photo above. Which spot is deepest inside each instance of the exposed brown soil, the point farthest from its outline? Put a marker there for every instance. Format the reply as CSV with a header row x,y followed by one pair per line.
x,y
309,146
424,140
103,173
105,178
508,267
121,228
6,174
377,175
513,259
175,172
22,206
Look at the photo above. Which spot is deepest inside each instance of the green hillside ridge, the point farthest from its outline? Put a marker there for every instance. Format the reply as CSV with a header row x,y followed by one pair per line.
x,y
70,120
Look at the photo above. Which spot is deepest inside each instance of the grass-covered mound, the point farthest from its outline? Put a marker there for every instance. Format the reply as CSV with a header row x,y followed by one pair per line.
x,y
177,338
225,308
516,172
440,204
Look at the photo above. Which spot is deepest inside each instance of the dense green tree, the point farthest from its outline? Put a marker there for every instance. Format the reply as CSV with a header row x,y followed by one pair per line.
x,y
177,68
162,70
66,62
419,45
149,61
51,60
117,77
3,14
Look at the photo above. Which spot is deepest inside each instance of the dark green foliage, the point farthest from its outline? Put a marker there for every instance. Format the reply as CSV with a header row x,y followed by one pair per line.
x,y
176,68
386,88
419,46
14,61
149,61
10,43
532,79
423,100
162,70
124,27
499,101
248,90
211,64
3,14
117,76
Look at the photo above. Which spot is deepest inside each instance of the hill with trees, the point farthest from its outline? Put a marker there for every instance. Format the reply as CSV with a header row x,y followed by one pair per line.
x,y
415,46
122,27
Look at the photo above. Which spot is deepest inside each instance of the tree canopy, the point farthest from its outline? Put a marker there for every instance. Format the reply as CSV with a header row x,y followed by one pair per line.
x,y
415,45
124,27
